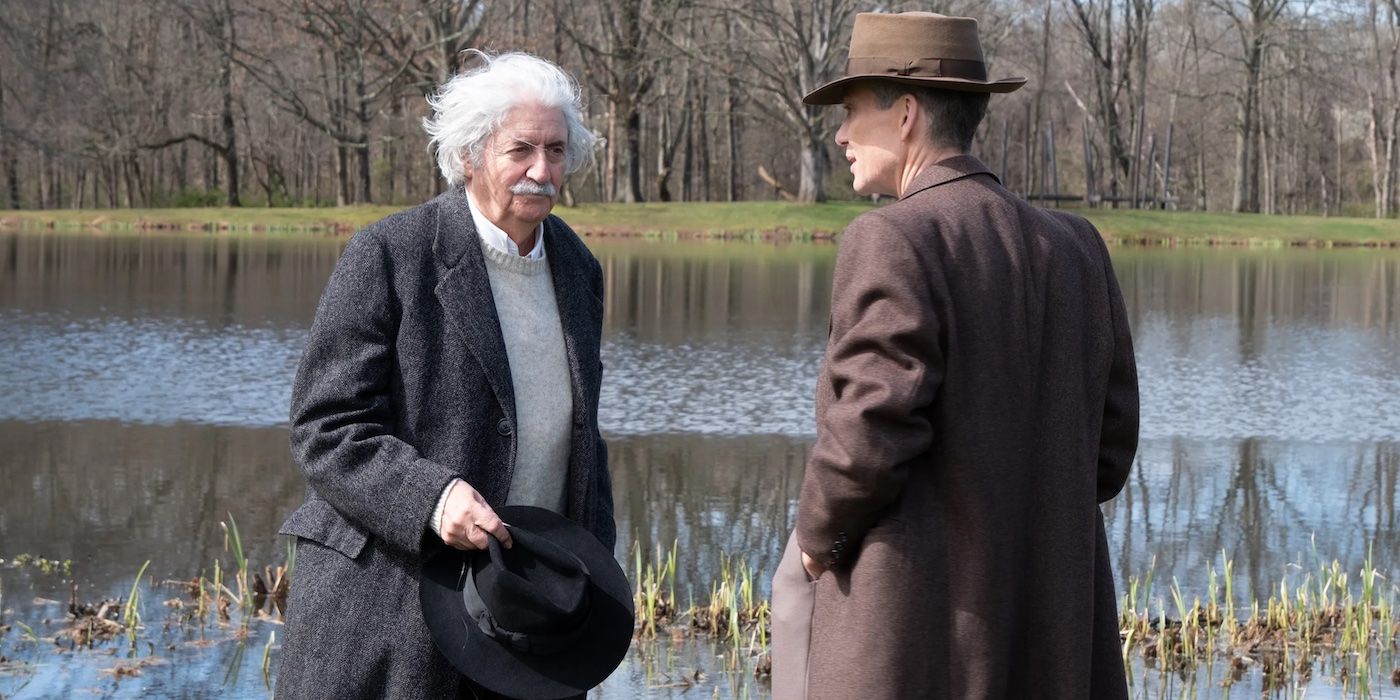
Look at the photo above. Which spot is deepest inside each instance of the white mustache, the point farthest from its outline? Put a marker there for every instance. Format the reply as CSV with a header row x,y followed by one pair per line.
x,y
528,186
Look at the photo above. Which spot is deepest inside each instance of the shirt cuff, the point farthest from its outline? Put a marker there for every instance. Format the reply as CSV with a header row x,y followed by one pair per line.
x,y
436,522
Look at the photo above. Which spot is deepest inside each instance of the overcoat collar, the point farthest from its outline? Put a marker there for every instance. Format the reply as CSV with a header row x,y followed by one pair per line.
x,y
945,171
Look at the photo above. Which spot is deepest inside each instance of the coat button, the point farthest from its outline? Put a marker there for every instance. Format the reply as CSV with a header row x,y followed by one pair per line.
x,y
503,427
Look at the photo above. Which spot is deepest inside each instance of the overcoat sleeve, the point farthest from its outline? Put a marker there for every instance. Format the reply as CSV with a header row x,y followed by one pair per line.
x,y
883,368
342,423
1118,436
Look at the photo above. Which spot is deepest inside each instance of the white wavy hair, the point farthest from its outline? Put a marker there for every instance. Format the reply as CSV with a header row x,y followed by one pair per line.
x,y
471,106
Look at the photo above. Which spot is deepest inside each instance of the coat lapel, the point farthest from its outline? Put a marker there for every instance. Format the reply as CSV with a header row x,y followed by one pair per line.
x,y
582,336
465,294
571,291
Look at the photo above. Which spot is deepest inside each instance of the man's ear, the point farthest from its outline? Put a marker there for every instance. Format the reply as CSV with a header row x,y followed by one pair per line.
x,y
909,117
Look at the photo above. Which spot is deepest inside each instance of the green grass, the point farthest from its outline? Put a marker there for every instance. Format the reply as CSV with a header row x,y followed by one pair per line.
x,y
744,220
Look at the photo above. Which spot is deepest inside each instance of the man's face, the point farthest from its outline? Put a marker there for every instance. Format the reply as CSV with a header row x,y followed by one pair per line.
x,y
522,168
870,137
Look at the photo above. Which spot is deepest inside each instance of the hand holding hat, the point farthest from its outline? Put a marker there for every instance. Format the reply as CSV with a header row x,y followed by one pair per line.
x,y
550,617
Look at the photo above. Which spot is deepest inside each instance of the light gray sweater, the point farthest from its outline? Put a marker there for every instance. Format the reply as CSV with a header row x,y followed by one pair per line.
x,y
539,369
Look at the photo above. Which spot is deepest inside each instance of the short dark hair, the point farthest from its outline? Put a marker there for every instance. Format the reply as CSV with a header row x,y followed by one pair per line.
x,y
953,114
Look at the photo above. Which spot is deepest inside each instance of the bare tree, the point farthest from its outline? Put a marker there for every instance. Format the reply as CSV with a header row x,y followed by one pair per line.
x,y
791,47
1254,22
1117,57
622,56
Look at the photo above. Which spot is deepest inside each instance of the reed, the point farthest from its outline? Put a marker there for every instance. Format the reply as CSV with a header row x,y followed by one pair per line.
x,y
267,659
131,611
655,596
733,612
1326,621
1326,616
27,631
233,543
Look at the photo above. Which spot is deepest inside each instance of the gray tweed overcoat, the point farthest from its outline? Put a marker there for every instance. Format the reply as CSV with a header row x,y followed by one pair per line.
x,y
977,401
404,385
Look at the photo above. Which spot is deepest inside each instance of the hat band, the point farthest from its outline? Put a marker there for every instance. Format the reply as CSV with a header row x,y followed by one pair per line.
x,y
530,643
919,68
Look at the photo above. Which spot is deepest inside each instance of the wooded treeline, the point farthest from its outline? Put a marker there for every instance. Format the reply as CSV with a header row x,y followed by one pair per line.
x,y
1273,106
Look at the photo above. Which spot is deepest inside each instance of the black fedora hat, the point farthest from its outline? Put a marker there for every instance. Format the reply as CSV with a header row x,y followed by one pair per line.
x,y
549,618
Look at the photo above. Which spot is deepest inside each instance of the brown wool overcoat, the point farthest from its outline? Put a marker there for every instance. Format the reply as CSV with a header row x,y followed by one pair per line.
x,y
977,401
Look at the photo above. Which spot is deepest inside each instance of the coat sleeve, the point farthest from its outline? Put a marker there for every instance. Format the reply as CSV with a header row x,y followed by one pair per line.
x,y
342,423
1118,436
883,368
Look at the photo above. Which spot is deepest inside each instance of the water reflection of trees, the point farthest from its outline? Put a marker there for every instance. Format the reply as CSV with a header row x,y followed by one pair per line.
x,y
110,495
1264,503
663,297
218,279
710,495
1259,287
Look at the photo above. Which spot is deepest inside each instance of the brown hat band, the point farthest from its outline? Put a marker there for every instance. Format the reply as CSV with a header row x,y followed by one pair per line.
x,y
923,68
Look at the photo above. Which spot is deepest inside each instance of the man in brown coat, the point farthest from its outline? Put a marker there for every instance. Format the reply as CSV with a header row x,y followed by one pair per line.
x,y
977,401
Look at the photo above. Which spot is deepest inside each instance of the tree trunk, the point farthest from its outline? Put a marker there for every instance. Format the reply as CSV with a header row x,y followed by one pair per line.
x,y
731,143
812,166
610,165
1091,197
1202,200
1375,142
362,115
12,176
1028,177
688,172
230,151
1244,198
632,154
663,162
342,174
7,153
1167,166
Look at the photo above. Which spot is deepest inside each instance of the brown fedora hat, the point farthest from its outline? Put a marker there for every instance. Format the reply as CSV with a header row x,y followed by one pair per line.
x,y
918,48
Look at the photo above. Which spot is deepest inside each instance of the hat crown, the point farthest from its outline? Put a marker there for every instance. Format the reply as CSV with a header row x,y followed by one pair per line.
x,y
534,588
912,36
914,48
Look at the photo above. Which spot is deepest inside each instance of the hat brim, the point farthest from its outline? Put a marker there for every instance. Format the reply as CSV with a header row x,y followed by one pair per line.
x,y
504,670
833,92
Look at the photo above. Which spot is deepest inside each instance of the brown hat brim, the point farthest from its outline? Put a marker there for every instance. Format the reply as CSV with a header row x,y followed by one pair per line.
x,y
833,92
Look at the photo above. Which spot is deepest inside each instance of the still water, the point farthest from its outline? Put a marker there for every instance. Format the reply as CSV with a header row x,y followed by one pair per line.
x,y
144,382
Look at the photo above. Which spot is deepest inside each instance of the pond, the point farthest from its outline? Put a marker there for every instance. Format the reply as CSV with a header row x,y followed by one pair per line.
x,y
145,382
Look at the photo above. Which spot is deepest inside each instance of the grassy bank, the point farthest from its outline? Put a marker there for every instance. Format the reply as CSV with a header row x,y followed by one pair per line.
x,y
779,220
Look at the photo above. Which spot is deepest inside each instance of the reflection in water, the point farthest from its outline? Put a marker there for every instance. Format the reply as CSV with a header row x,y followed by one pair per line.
x,y
110,495
145,383
680,293
1276,508
249,280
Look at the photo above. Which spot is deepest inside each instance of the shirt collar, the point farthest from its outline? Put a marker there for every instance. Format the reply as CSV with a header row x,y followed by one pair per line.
x,y
497,238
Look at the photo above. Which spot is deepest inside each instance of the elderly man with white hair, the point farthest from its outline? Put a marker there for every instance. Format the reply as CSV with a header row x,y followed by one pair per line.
x,y
452,368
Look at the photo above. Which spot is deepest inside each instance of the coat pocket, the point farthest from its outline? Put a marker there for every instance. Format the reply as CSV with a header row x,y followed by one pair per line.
x,y
318,521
